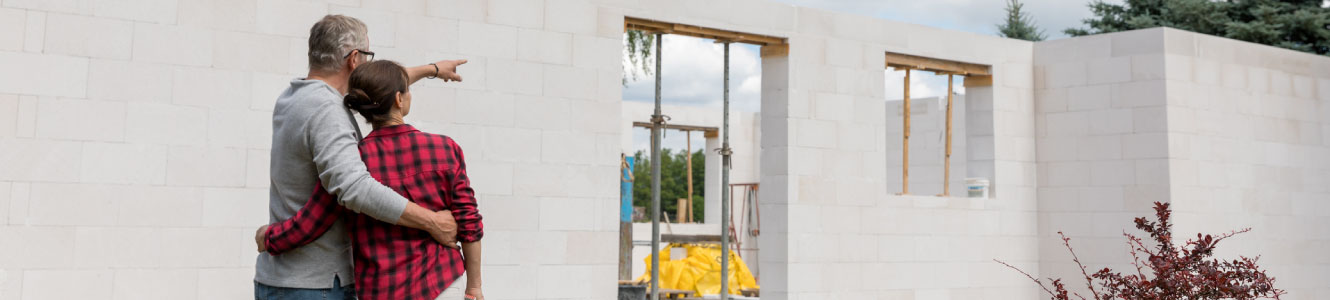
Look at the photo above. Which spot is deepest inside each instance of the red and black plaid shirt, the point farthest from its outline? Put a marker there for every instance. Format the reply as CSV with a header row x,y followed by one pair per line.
x,y
395,262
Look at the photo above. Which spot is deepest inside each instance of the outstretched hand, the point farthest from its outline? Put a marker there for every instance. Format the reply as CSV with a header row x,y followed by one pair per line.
x,y
448,69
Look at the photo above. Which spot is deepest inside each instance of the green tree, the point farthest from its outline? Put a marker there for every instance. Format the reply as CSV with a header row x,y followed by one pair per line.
x,y
1019,24
638,48
1301,25
673,182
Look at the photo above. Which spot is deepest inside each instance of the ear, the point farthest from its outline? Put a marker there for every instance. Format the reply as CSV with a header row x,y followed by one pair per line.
x,y
351,62
397,101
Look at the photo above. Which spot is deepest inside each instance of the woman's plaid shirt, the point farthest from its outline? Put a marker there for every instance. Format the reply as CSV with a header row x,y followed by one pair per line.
x,y
395,262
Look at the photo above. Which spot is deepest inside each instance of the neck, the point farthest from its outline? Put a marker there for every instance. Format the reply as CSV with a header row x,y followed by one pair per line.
x,y
336,80
393,120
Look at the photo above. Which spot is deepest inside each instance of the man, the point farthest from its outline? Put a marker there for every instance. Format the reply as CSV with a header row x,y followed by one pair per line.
x,y
315,141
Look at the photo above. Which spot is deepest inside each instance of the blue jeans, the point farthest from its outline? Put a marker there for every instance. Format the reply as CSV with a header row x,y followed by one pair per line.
x,y
337,292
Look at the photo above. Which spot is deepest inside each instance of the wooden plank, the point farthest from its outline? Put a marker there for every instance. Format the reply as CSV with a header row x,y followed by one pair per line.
x,y
690,238
679,127
946,171
978,80
631,23
906,61
776,50
905,142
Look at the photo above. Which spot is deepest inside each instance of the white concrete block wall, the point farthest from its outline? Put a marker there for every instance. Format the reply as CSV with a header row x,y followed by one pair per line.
x,y
164,104
1266,176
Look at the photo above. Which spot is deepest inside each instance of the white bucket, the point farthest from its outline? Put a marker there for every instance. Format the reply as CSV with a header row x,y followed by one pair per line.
x,y
977,187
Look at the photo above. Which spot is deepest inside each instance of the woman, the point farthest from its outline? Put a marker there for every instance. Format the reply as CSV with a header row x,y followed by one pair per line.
x,y
394,262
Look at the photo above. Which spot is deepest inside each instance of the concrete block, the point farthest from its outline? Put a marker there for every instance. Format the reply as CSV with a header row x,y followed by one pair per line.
x,y
258,129
76,204
201,247
815,133
1145,145
83,7
843,53
152,11
1065,75
211,88
290,18
59,76
1281,84
162,207
54,284
577,17
123,163
1112,121
1140,94
512,144
226,283
1099,147
211,167
1112,173
484,108
558,281
12,28
232,15
1177,67
256,169
541,113
1064,174
570,82
511,76
466,10
1147,67
833,107
173,45
481,39
34,32
1258,80
382,24
250,52
226,127
555,212
233,207
1149,119
567,147
188,124
1093,97
128,81
1110,70
431,34
19,199
10,115
80,120
519,13
1067,124
38,160
6,194
599,53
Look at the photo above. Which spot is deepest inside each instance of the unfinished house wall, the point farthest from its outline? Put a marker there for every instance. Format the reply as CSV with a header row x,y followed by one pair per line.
x,y
928,141
1248,147
1102,148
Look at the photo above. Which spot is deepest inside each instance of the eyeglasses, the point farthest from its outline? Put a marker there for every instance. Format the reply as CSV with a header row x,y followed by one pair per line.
x,y
369,55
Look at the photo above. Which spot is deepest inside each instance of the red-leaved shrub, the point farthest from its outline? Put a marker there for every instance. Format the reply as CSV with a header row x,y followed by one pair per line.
x,y
1174,271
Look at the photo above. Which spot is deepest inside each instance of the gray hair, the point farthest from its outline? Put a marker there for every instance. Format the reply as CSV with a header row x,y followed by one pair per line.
x,y
332,38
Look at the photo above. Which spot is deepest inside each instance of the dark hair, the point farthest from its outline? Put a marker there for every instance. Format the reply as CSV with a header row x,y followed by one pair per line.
x,y
372,88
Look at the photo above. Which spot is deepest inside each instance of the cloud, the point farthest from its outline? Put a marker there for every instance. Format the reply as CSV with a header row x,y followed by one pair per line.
x,y
692,76
978,16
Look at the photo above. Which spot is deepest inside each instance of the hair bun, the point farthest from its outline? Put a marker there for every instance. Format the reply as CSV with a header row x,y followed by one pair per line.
x,y
357,99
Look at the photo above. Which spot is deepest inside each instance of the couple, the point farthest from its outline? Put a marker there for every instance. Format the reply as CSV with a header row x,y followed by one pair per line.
x,y
397,201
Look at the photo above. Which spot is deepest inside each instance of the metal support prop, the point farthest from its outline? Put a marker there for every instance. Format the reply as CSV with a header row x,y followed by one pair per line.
x,y
657,121
905,143
946,170
688,135
725,184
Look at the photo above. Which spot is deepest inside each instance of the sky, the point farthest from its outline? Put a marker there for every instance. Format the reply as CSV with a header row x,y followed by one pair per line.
x,y
692,67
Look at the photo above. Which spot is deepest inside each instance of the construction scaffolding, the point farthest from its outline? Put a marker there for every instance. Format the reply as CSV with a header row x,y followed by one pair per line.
x,y
770,46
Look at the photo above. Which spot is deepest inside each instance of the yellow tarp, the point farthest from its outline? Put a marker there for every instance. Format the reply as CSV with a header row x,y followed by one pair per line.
x,y
700,271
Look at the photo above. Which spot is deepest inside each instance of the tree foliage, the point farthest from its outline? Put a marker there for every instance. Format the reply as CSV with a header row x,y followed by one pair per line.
x,y
1301,25
638,48
1169,271
673,181
1019,24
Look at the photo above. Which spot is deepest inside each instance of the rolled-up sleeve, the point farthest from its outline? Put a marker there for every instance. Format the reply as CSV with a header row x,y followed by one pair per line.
x,y
463,205
335,148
